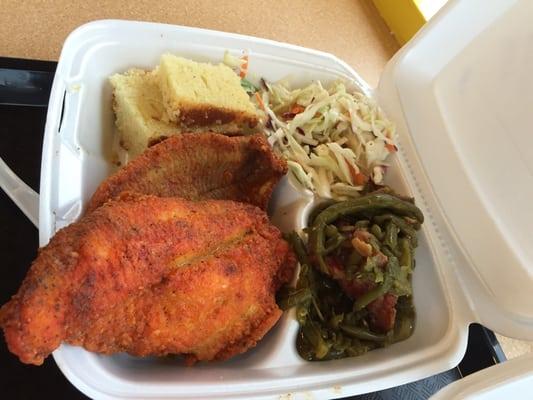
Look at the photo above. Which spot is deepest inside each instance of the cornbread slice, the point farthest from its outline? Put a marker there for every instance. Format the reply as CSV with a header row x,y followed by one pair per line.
x,y
138,106
203,94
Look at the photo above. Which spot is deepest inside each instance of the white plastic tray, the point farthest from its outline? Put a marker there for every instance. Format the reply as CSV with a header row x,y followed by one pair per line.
x,y
510,380
449,293
76,159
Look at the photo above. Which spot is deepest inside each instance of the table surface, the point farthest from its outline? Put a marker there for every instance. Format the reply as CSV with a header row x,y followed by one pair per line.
x,y
350,29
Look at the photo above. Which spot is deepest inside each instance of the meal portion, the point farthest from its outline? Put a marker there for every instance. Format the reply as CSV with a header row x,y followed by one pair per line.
x,y
199,166
175,253
153,276
335,141
354,290
179,95
202,94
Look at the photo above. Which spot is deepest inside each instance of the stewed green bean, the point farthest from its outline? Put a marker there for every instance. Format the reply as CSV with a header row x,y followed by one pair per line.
x,y
355,268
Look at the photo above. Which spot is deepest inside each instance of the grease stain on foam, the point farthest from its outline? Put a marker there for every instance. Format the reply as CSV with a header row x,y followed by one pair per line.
x,y
296,396
75,88
288,217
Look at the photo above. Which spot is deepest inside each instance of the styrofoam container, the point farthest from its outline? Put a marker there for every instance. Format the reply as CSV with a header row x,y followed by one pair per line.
x,y
511,380
462,154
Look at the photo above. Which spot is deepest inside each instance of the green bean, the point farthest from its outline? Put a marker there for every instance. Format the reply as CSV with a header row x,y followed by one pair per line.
x,y
305,276
405,318
369,204
334,243
352,264
393,265
374,242
318,209
351,318
362,334
290,297
354,258
301,313
332,325
388,190
388,253
317,309
406,258
401,286
341,342
354,317
413,223
373,294
347,228
362,224
334,354
375,230
370,264
406,228
391,235
331,230
298,246
357,350
314,336
335,320
372,203
303,346
403,328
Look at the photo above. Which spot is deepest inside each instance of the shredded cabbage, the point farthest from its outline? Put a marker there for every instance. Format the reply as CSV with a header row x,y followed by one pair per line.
x,y
232,61
334,141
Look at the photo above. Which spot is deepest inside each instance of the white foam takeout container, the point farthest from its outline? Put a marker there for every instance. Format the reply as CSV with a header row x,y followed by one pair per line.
x,y
459,93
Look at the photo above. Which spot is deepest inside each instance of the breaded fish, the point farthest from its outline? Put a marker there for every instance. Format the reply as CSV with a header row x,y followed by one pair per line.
x,y
153,276
200,166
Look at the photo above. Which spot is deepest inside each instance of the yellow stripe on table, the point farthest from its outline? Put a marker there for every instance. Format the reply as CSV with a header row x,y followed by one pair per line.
x,y
406,17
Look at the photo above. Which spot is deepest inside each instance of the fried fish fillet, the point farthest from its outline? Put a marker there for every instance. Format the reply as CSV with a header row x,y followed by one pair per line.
x,y
153,276
197,166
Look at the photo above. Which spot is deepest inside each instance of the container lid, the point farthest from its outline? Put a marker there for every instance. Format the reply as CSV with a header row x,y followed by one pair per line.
x,y
463,90
511,380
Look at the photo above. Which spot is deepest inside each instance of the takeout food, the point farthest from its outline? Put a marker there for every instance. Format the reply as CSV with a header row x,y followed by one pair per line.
x,y
153,276
153,268
203,94
200,166
168,258
354,291
335,140
139,113
180,95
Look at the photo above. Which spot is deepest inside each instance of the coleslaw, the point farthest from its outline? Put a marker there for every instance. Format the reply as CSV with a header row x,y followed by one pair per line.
x,y
334,141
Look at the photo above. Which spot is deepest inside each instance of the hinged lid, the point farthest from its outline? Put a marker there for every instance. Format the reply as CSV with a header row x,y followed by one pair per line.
x,y
463,90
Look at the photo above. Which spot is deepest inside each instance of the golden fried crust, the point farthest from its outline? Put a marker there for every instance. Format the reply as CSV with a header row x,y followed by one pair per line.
x,y
197,166
153,276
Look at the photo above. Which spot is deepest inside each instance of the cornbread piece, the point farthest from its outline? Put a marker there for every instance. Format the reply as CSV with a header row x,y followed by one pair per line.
x,y
139,112
202,94
197,166
153,276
